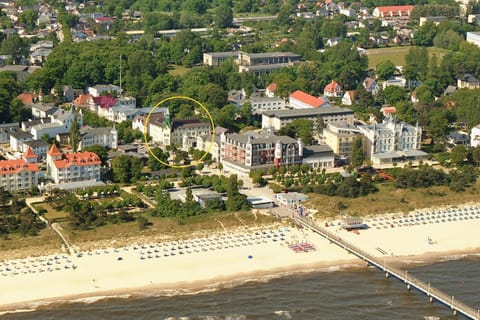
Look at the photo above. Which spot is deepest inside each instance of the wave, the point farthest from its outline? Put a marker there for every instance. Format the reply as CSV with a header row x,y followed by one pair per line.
x,y
93,299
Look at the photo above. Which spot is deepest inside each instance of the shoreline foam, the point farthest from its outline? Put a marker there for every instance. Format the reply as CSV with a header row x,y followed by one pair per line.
x,y
96,276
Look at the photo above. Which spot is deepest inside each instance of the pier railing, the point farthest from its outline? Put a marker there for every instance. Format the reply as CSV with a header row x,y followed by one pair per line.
x,y
410,280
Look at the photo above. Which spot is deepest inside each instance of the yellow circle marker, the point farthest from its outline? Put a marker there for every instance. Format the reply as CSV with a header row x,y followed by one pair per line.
x,y
147,121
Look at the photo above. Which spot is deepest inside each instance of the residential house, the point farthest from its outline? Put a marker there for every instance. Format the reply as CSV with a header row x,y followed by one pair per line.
x,y
456,138
278,119
392,141
450,90
242,153
102,89
468,81
302,100
475,136
177,132
18,175
333,89
395,81
60,122
388,110
340,136
371,86
42,110
17,139
103,136
39,147
348,98
72,167
27,98
5,130
270,90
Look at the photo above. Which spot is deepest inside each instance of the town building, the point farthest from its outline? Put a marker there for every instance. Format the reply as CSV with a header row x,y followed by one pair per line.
x,y
17,139
18,175
340,136
72,167
242,153
475,136
318,156
468,81
5,130
205,143
42,110
215,59
270,90
278,119
291,199
392,11
261,63
348,98
333,89
60,122
302,100
262,104
474,38
392,141
102,89
103,136
39,147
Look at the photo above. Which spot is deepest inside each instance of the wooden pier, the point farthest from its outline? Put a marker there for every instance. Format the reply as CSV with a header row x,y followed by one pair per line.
x,y
410,281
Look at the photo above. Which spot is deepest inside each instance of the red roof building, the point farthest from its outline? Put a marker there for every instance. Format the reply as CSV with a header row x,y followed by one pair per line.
x,y
270,90
388,110
302,100
27,98
83,101
71,167
18,175
392,11
333,89
29,156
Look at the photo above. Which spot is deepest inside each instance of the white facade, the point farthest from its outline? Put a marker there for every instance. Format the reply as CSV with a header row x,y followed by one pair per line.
x,y
392,141
331,114
260,105
105,137
98,90
474,38
475,136
18,175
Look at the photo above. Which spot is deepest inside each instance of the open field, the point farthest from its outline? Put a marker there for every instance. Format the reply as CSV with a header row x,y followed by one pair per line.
x,y
397,55
391,200
175,70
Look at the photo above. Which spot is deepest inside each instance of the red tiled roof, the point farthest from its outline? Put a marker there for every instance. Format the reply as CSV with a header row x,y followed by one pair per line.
x,y
54,151
82,100
387,9
27,98
29,153
16,166
103,19
332,86
387,110
105,101
78,159
272,87
308,99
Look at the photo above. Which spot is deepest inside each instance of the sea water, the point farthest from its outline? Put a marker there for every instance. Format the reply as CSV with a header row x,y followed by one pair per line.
x,y
333,293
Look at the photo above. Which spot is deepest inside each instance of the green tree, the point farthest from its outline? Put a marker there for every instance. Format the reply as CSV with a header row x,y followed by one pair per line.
x,y
385,70
155,154
299,128
357,156
223,16
458,155
126,168
15,46
28,18
75,134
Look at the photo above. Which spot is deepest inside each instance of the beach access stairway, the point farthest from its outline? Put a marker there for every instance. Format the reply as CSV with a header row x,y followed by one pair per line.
x,y
412,282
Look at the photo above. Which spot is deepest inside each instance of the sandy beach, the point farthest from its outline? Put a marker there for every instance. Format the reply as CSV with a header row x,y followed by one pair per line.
x,y
226,258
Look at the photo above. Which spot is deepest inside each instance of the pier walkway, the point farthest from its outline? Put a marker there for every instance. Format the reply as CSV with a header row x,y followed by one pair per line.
x,y
411,282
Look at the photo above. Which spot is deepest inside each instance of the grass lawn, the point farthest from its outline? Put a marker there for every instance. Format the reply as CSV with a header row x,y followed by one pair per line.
x,y
391,200
397,55
175,70
52,214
